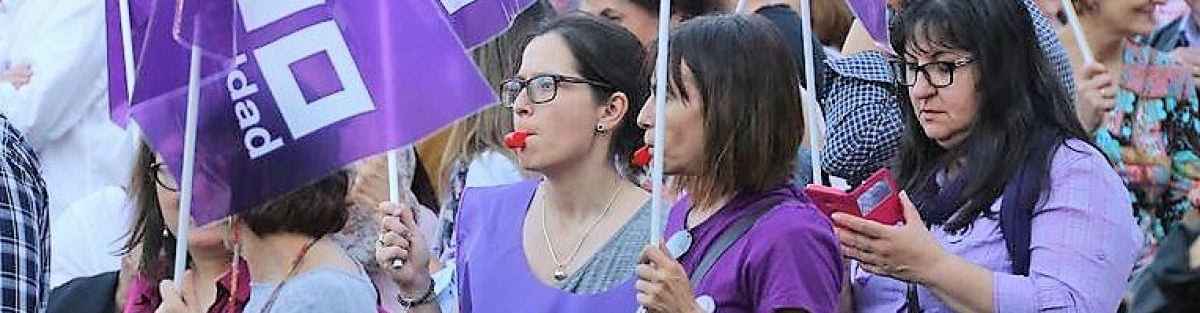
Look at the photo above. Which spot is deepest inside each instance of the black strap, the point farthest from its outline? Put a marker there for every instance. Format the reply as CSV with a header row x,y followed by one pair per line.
x,y
732,234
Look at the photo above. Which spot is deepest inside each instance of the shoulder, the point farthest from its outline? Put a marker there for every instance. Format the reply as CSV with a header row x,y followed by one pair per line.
x,y
793,220
506,190
1074,156
494,196
868,66
1080,176
340,291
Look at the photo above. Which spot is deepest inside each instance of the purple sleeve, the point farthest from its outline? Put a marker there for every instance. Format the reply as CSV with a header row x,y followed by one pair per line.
x,y
1083,245
795,262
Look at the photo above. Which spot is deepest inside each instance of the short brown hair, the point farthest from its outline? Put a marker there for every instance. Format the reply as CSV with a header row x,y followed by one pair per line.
x,y
314,210
752,109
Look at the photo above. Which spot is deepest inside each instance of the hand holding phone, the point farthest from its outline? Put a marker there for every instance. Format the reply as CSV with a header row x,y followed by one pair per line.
x,y
877,199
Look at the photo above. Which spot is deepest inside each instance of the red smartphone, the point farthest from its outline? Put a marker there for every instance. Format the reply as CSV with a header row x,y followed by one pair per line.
x,y
877,199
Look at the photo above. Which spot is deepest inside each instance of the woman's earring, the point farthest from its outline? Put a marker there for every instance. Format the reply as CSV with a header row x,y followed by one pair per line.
x,y
600,129
166,233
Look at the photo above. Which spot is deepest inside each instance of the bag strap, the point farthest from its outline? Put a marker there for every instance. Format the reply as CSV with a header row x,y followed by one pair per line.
x,y
732,234
1016,210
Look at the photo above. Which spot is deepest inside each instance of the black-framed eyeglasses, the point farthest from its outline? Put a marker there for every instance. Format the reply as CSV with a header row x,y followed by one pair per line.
x,y
159,172
938,74
540,89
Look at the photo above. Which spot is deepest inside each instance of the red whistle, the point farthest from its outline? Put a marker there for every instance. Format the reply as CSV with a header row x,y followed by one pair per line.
x,y
642,156
516,140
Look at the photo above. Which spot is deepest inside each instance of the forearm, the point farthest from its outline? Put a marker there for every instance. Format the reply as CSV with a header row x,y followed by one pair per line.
x,y
963,286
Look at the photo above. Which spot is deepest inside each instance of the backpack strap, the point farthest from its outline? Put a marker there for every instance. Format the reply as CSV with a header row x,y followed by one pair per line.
x,y
1016,209
732,234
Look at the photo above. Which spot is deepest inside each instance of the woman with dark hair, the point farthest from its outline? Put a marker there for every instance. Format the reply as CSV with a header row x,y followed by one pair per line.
x,y
287,247
732,128
862,113
568,242
1026,214
150,250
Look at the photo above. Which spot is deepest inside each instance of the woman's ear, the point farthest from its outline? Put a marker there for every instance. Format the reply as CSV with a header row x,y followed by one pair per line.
x,y
613,111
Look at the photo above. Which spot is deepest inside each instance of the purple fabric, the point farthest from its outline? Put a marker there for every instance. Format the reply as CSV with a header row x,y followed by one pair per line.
x,y
1083,245
118,96
873,15
789,259
492,271
480,20
383,73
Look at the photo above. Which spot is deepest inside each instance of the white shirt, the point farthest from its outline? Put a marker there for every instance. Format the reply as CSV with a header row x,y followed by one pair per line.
x,y
88,236
63,111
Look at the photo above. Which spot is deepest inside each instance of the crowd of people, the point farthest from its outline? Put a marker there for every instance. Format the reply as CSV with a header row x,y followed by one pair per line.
x,y
1039,171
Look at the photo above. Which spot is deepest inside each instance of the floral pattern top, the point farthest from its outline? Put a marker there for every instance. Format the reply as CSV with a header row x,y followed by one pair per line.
x,y
1152,137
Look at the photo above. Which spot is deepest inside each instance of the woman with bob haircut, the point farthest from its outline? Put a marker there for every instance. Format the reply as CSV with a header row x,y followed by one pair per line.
x,y
743,239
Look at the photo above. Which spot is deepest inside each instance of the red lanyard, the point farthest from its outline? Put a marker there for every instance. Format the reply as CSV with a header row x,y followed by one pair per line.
x,y
291,272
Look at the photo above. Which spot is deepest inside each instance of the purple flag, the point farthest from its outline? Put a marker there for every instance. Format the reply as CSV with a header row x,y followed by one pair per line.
x,y
477,21
311,86
873,15
118,96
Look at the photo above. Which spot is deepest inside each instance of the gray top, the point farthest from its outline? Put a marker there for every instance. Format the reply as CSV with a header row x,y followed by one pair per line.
x,y
321,290
616,262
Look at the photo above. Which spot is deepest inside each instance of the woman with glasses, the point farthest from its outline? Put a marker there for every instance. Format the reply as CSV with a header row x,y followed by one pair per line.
x,y
743,239
151,245
1024,213
568,242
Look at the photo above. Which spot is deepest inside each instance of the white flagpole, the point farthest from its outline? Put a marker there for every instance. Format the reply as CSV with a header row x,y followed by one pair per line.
x,y
189,162
127,47
741,7
393,163
660,121
816,120
393,177
1080,39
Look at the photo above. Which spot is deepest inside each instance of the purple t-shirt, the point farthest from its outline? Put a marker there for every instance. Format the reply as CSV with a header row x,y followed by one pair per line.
x,y
789,259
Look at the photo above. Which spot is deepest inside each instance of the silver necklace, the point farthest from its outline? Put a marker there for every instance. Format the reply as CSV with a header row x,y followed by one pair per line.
x,y
560,268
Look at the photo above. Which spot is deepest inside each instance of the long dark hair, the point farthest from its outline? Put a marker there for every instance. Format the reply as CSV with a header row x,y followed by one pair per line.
x,y
749,88
1022,102
608,53
148,224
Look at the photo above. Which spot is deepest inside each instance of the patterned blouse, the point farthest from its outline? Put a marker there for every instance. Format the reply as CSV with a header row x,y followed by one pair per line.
x,y
1151,137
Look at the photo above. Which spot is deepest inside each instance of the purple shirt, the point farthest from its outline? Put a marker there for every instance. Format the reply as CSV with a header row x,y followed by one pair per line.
x,y
493,274
789,259
1083,245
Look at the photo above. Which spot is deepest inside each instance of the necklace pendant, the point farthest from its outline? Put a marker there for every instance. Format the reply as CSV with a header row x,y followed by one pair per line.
x,y
559,275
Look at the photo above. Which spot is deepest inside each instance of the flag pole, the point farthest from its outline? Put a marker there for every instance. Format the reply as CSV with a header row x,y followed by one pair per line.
x,y
1080,38
127,47
660,121
393,163
189,161
741,7
816,119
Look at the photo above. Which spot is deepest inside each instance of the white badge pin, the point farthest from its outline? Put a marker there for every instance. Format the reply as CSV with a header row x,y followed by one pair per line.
x,y
679,243
706,303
